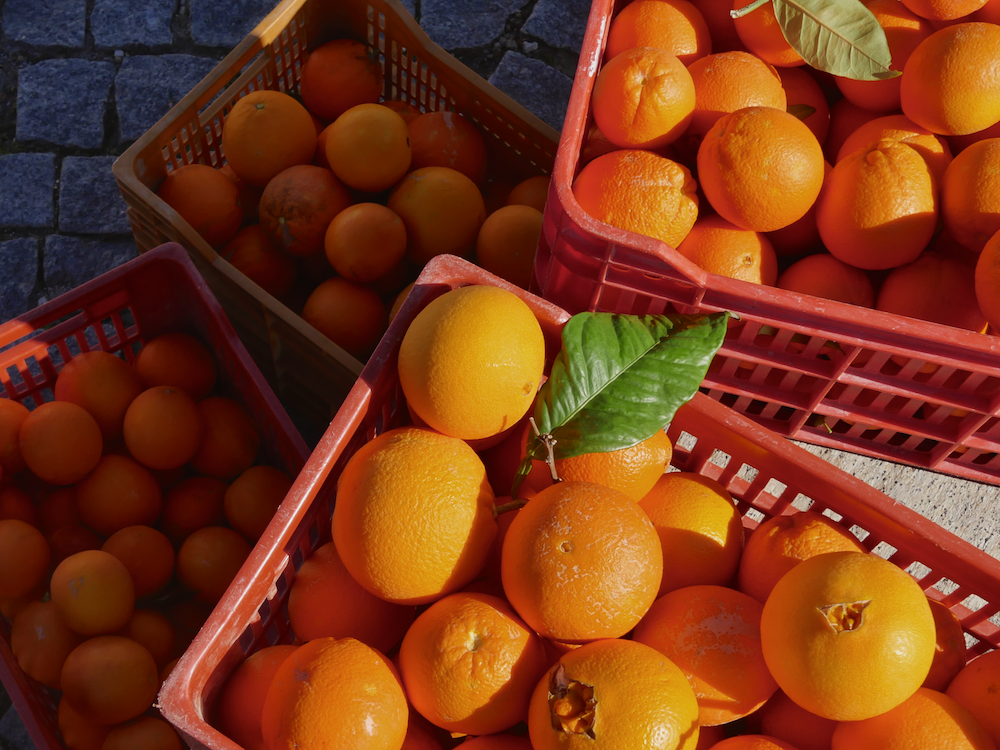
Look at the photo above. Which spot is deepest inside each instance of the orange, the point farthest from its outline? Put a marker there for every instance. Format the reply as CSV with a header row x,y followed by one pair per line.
x,y
753,742
944,10
249,194
326,602
240,705
822,275
192,504
845,118
961,142
152,629
297,206
977,689
713,634
180,360
351,315
471,362
16,503
632,471
206,199
368,147
12,415
613,694
699,528
932,148
948,84
440,542
970,194
760,32
329,672
926,719
761,168
78,731
987,277
41,640
60,442
144,733
891,642
676,26
878,208
469,664
442,211
147,554
903,32
267,132
643,98
935,288
119,492
93,591
727,81
950,651
339,75
507,242
163,427
209,560
721,247
70,539
229,442
783,719
801,89
447,139
250,252
110,679
253,497
533,191
101,383
780,543
665,208
365,242
581,561
57,509
407,111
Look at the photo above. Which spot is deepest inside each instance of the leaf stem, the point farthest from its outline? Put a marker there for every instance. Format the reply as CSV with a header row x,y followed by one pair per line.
x,y
549,442
740,12
505,507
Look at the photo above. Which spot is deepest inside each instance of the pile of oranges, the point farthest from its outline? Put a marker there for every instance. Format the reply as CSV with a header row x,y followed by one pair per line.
x,y
623,606
712,135
332,202
127,505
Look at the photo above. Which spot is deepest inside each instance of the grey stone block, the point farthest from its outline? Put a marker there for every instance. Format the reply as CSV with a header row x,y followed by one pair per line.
x,y
27,182
119,23
64,102
147,87
458,24
89,200
559,23
46,22
13,732
224,23
70,261
18,269
544,91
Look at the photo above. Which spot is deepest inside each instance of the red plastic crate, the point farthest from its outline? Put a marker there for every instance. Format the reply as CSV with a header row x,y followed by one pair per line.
x,y
892,387
764,472
117,312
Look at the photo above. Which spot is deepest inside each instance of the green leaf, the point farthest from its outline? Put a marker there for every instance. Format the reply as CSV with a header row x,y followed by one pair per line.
x,y
841,37
620,378
801,111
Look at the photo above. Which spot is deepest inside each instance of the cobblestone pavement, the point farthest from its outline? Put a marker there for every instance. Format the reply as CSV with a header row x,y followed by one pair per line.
x,y
80,80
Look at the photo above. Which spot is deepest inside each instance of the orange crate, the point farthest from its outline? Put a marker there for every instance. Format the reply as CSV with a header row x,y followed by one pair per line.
x,y
890,387
308,371
765,473
117,312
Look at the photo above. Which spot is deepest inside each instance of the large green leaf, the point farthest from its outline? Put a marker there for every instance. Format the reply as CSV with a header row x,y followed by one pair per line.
x,y
620,378
841,37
